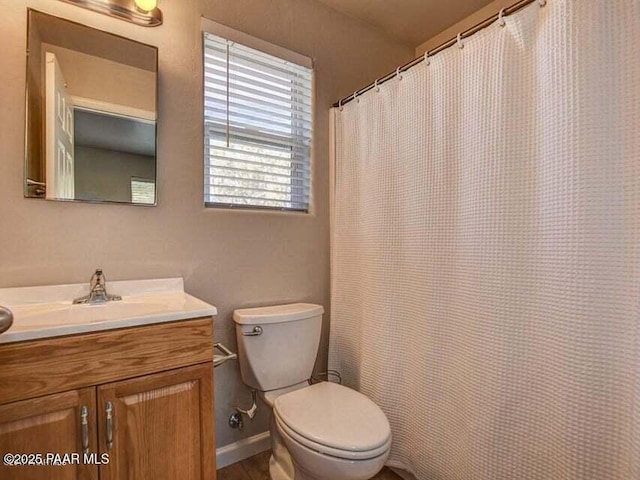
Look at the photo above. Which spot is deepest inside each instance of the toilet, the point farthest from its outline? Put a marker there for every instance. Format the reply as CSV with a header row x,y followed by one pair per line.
x,y
321,431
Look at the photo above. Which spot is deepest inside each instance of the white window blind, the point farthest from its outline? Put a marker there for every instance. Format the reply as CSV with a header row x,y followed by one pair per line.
x,y
143,190
257,128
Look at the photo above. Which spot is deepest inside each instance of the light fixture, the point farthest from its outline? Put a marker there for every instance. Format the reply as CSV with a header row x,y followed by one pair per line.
x,y
140,12
146,5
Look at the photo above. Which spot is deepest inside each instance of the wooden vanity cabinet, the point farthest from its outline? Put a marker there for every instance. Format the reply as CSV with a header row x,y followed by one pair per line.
x,y
147,393
52,423
161,428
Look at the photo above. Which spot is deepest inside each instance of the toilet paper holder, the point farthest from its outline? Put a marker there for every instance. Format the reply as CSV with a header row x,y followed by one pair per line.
x,y
227,355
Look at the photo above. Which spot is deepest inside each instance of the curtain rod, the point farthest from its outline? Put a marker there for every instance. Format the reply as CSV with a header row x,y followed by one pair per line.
x,y
443,46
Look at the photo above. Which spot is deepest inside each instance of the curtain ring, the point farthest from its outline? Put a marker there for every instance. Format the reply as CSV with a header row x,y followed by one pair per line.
x,y
340,107
501,20
459,41
355,96
398,74
375,85
542,2
426,58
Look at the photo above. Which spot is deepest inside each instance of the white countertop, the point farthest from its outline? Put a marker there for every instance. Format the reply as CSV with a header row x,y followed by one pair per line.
x,y
47,311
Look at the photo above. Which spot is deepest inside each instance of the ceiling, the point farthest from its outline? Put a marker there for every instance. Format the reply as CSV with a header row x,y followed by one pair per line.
x,y
411,21
110,132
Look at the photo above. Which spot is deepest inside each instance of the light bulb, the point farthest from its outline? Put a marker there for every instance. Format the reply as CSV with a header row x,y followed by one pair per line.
x,y
146,5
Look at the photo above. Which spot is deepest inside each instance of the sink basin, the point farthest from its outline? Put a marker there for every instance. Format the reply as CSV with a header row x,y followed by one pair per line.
x,y
42,312
6,319
47,315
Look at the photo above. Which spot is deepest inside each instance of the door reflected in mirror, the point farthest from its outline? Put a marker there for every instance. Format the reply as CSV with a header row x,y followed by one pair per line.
x,y
91,114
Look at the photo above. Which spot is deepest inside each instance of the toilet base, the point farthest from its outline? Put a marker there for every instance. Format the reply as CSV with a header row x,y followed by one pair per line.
x,y
281,466
276,472
280,463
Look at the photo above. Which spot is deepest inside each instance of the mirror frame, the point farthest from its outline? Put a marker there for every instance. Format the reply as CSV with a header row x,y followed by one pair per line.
x,y
30,11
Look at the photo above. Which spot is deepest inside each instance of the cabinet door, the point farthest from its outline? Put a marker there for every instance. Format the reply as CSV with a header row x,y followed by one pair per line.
x,y
159,426
51,424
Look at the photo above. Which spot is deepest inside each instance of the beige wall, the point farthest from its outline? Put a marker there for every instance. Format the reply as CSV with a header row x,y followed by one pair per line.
x,y
101,79
231,259
106,174
470,21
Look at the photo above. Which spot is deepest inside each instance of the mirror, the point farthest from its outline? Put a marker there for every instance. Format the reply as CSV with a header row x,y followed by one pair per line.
x,y
91,114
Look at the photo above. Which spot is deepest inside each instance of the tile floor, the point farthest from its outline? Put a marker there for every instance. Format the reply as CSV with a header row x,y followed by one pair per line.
x,y
257,468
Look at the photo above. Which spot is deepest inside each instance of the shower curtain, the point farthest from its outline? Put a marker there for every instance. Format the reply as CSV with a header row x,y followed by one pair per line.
x,y
485,249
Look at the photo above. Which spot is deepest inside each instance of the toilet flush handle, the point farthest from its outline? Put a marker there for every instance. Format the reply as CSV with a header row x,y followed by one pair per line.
x,y
257,330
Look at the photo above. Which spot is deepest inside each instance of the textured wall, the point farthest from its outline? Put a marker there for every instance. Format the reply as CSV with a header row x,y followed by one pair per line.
x,y
230,259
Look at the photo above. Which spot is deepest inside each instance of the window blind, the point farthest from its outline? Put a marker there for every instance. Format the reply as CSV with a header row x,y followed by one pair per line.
x,y
257,128
143,190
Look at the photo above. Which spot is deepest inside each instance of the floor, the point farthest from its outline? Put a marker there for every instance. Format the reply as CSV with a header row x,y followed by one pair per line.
x,y
257,468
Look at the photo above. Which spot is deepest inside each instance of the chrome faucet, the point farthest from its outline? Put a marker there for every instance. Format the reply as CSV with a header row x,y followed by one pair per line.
x,y
98,293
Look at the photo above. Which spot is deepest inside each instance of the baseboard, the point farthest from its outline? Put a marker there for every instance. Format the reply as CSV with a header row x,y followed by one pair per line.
x,y
245,448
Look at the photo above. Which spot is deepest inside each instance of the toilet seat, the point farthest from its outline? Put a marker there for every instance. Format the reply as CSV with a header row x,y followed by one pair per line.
x,y
334,420
329,451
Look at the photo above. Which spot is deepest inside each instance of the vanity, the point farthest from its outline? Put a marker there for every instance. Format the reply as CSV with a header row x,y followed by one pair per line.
x,y
129,383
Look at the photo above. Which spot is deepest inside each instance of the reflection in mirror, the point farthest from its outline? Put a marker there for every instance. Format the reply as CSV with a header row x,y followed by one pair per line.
x,y
91,114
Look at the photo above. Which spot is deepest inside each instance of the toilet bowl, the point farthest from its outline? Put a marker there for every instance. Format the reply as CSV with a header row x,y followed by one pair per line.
x,y
332,432
311,465
323,431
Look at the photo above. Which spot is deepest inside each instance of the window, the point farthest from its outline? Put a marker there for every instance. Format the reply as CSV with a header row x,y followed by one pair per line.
x,y
143,190
257,128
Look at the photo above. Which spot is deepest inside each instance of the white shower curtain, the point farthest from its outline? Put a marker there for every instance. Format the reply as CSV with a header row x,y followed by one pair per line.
x,y
485,250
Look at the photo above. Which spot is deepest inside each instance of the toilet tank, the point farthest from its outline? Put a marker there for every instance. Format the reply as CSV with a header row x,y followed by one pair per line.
x,y
278,345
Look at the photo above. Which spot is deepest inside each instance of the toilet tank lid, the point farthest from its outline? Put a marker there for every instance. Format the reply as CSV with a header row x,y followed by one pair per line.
x,y
277,313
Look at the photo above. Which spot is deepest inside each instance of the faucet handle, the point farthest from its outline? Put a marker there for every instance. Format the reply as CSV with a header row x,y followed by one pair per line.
x,y
98,279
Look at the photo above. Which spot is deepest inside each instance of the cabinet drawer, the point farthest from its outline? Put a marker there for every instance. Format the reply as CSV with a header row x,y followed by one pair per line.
x,y
40,367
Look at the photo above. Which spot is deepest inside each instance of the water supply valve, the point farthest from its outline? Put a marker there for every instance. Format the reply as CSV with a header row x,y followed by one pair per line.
x,y
235,421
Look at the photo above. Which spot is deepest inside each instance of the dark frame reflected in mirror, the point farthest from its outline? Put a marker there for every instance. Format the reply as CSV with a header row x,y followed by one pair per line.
x,y
91,123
